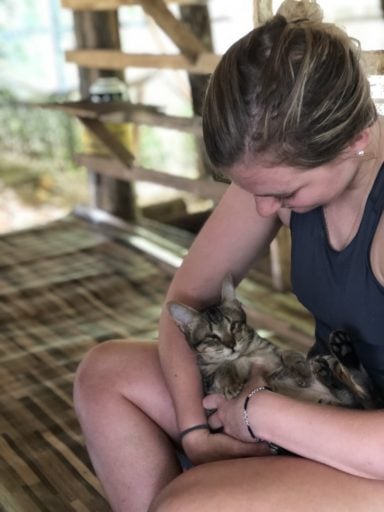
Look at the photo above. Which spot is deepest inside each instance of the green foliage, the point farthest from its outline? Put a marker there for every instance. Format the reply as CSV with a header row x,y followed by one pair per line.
x,y
34,131
167,150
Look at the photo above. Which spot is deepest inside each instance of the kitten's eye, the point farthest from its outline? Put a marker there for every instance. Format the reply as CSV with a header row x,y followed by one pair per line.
x,y
236,326
212,337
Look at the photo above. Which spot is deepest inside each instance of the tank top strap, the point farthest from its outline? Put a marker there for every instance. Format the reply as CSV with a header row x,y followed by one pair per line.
x,y
376,196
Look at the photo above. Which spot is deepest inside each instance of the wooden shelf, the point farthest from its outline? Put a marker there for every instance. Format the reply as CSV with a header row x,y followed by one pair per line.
x,y
122,112
117,60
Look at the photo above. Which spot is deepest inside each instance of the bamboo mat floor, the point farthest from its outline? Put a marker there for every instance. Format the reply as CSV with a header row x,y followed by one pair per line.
x,y
63,288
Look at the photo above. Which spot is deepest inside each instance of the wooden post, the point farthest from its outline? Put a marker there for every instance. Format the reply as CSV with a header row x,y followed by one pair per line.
x,y
262,11
198,19
280,260
100,29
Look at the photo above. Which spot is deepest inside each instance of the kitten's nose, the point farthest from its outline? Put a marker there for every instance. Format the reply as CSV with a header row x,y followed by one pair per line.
x,y
230,342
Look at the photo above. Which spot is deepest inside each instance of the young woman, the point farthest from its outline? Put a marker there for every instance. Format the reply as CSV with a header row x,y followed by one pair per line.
x,y
289,117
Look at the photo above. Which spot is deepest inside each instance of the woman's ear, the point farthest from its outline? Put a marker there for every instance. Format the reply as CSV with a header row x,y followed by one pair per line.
x,y
360,142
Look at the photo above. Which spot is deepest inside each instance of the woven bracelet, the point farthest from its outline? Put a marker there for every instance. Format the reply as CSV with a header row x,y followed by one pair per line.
x,y
202,426
245,411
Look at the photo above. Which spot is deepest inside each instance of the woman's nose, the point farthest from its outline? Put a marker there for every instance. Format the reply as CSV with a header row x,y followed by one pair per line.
x,y
266,206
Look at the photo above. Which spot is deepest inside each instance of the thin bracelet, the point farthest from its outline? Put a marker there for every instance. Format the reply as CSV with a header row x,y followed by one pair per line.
x,y
245,412
201,426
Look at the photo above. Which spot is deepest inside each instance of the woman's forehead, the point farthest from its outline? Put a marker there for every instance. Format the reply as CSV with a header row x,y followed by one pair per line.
x,y
266,181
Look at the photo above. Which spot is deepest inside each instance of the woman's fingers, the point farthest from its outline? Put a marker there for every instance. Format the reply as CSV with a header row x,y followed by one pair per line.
x,y
213,401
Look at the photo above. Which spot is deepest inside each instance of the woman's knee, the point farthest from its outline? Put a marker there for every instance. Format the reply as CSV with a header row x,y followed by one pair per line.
x,y
105,368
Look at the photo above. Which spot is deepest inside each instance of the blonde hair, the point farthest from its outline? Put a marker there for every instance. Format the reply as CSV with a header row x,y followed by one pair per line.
x,y
291,92
308,10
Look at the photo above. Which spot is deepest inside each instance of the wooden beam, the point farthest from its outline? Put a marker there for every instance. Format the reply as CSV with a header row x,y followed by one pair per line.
x,y
181,35
106,5
122,112
110,59
184,124
113,168
113,59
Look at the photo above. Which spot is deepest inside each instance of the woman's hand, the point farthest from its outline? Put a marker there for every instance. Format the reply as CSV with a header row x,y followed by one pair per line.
x,y
201,446
229,414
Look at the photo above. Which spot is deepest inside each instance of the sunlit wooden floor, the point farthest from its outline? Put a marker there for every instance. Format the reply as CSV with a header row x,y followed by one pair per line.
x,y
63,288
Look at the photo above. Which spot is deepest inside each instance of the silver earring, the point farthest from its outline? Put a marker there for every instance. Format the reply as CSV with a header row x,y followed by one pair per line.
x,y
361,152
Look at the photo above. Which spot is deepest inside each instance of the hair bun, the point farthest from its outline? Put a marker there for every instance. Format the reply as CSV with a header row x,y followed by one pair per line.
x,y
304,10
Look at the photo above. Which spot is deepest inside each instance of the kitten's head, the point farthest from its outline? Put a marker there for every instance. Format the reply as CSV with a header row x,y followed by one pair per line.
x,y
217,332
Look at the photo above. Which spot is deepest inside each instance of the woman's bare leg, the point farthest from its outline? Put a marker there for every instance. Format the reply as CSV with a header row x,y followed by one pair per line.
x,y
125,413
269,484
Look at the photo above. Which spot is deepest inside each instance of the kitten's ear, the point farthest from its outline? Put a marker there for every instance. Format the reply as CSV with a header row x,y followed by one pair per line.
x,y
182,315
228,293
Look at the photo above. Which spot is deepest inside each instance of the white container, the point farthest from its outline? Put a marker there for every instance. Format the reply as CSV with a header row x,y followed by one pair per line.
x,y
106,90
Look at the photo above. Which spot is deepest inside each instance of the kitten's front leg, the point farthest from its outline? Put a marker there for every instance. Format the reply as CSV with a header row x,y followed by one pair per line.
x,y
228,381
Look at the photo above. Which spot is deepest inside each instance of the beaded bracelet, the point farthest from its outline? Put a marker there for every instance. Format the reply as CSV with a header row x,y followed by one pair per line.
x,y
245,412
202,426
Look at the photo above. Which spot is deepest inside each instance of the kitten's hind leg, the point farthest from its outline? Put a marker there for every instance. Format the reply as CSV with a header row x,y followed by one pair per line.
x,y
340,345
350,370
326,370
323,371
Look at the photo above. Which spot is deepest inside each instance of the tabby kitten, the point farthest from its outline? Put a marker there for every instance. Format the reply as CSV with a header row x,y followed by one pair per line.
x,y
227,348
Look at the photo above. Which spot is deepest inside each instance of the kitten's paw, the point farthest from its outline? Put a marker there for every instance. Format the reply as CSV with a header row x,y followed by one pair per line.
x,y
341,346
321,369
328,371
233,390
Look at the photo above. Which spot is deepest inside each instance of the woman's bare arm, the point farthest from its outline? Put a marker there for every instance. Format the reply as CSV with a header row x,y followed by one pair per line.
x,y
346,439
230,241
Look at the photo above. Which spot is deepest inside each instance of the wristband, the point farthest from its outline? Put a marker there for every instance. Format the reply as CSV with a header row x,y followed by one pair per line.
x,y
202,426
245,412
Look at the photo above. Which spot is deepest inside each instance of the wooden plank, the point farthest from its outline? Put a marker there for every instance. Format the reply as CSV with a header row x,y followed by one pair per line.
x,y
122,112
115,59
115,169
103,111
181,35
101,5
185,124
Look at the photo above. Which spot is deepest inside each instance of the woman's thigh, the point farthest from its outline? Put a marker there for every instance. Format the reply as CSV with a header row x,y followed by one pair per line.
x,y
126,412
269,484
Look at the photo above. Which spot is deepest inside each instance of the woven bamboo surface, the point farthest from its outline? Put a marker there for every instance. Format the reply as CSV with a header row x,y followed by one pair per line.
x,y
63,288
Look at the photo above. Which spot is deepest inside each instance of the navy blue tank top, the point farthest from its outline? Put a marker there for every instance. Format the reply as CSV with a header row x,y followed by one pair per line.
x,y
338,287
